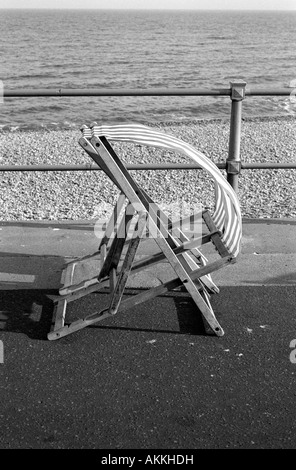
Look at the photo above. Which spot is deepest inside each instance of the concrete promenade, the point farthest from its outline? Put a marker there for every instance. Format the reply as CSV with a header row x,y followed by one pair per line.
x,y
148,378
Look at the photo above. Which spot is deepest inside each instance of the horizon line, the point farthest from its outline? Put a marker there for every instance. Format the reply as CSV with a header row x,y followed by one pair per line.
x,y
147,9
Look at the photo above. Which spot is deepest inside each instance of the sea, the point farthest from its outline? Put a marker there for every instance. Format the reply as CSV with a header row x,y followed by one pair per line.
x,y
142,49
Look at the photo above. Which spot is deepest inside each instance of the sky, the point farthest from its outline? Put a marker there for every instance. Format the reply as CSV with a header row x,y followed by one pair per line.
x,y
155,4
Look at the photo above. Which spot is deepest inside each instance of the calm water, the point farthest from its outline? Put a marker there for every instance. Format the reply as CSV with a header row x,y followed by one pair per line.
x,y
142,49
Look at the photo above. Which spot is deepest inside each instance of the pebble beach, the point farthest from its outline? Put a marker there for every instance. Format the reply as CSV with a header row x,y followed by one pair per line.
x,y
89,195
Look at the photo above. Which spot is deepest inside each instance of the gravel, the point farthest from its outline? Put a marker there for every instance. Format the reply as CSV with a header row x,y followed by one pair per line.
x,y
89,195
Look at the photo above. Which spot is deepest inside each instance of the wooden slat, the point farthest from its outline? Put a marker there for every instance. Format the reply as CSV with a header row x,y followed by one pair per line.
x,y
112,279
60,314
68,274
216,238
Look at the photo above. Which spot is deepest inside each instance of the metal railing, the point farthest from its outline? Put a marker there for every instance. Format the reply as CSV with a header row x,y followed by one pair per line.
x,y
237,93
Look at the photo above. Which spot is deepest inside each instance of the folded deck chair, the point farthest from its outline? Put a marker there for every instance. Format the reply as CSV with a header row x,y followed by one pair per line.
x,y
115,259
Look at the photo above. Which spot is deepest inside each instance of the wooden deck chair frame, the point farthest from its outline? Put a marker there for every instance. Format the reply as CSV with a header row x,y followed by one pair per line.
x,y
116,253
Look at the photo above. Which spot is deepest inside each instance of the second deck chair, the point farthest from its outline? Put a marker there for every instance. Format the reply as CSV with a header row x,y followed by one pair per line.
x,y
117,253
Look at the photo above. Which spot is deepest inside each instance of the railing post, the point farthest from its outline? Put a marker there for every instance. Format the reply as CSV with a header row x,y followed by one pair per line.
x,y
233,163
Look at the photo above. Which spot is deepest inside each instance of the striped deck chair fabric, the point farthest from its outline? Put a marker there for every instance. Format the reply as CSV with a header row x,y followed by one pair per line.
x,y
226,215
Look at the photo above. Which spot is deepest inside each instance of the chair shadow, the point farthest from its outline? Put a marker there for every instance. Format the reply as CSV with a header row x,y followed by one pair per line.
x,y
26,311
189,317
176,313
30,312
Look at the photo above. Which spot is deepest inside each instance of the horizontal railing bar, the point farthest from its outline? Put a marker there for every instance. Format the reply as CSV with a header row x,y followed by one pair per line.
x,y
18,92
21,92
271,92
267,166
145,166
136,166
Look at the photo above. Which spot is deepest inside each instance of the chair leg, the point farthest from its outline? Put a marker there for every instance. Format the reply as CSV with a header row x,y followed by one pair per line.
x,y
59,314
206,298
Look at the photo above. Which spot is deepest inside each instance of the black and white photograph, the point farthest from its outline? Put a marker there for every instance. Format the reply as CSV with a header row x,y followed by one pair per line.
x,y
147,228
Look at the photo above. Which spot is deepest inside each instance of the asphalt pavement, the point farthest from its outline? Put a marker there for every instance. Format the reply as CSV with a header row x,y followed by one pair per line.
x,y
148,378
